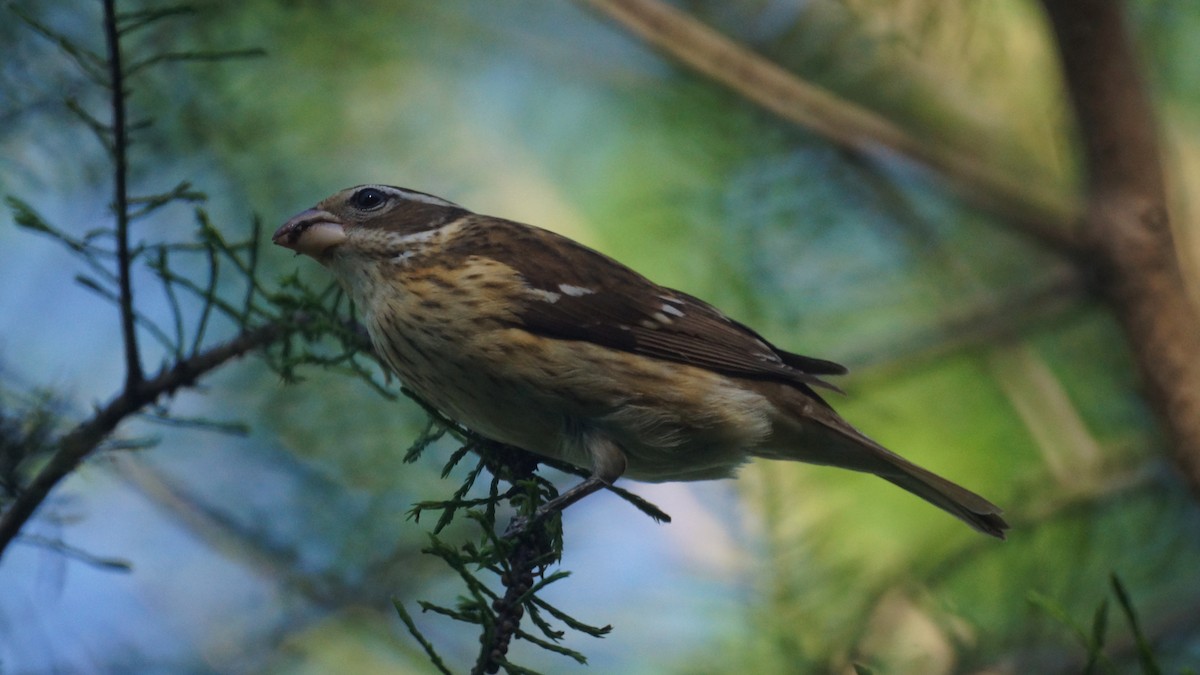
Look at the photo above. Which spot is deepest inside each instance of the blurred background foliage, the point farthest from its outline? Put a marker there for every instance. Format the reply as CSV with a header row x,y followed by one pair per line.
x,y
972,351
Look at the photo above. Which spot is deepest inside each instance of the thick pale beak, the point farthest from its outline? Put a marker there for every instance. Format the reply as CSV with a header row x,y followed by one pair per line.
x,y
312,232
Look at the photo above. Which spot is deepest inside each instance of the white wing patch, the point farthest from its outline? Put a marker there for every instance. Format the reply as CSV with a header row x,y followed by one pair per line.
x,y
668,308
575,291
543,294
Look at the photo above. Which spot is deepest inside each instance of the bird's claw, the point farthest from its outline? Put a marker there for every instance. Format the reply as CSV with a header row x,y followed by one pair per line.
x,y
518,527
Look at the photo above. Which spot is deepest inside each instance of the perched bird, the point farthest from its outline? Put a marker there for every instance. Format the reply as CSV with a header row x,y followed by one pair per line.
x,y
534,340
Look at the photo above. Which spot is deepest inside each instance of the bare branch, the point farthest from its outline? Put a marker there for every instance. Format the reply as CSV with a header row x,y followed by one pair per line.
x,y
1127,229
87,436
1128,236
1042,215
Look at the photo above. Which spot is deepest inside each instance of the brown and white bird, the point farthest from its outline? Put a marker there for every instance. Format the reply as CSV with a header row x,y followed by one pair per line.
x,y
534,340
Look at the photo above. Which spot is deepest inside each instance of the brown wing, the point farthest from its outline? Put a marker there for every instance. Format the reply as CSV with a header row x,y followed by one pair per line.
x,y
588,296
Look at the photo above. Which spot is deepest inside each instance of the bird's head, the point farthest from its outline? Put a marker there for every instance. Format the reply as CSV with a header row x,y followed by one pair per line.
x,y
367,220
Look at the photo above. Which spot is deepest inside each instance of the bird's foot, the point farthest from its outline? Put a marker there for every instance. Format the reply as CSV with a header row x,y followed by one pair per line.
x,y
522,525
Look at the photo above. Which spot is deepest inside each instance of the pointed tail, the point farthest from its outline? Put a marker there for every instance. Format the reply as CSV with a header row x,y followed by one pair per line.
x,y
809,431
956,500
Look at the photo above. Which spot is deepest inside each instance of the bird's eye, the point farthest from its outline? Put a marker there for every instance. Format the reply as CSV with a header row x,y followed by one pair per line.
x,y
368,199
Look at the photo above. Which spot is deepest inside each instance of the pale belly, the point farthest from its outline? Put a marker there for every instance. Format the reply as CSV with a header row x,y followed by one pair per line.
x,y
547,396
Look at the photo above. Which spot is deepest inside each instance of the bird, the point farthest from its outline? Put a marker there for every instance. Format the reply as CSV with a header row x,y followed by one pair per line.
x,y
534,340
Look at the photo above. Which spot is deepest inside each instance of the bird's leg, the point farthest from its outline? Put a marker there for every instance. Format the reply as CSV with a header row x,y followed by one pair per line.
x,y
578,491
608,463
521,525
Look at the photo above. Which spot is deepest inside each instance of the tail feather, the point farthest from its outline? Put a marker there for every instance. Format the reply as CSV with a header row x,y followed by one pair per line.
x,y
814,433
982,515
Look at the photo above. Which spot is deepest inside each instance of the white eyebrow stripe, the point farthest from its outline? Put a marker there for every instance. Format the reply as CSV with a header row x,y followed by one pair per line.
x,y
412,195
575,291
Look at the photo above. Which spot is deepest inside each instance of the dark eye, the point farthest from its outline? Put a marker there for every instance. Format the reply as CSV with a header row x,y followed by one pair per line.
x,y
367,199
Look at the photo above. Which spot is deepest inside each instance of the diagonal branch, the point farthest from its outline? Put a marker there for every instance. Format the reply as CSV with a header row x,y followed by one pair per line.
x,y
1127,228
1127,237
1044,216
78,443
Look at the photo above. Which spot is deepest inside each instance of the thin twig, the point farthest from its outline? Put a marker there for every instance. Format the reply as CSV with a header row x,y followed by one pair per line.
x,y
120,146
63,548
134,20
1042,215
88,61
